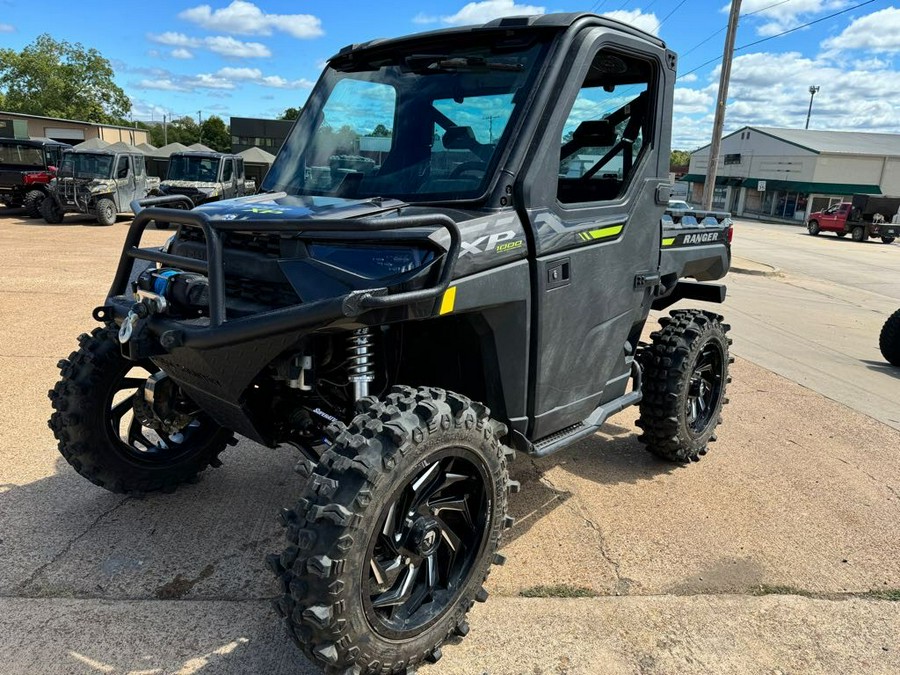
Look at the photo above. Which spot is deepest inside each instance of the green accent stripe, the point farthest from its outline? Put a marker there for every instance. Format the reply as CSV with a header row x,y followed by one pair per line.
x,y
668,241
601,233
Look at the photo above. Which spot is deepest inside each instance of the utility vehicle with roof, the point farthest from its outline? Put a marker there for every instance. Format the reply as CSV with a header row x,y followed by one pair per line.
x,y
102,183
27,165
479,287
206,177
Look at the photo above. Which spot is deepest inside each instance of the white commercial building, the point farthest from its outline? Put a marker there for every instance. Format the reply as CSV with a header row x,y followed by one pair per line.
x,y
789,173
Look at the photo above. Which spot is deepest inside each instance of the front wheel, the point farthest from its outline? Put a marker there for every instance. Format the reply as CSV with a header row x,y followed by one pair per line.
x,y
395,532
813,227
105,209
858,234
889,340
32,203
888,240
685,378
51,211
104,436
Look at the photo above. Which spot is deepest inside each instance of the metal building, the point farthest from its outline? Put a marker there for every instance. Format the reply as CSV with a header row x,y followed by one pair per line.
x,y
787,174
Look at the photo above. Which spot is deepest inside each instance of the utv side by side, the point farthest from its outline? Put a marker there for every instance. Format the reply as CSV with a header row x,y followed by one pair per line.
x,y
479,287
27,165
102,183
206,177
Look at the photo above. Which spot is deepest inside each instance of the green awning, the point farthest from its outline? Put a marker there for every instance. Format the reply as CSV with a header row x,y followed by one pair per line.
x,y
720,180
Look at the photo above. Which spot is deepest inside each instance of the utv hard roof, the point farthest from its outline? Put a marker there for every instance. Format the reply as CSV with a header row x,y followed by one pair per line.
x,y
201,153
34,142
557,22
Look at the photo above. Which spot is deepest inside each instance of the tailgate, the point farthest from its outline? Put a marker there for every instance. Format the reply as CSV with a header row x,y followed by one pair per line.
x,y
695,244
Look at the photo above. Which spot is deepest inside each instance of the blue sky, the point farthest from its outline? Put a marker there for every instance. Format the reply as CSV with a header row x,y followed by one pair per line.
x,y
256,58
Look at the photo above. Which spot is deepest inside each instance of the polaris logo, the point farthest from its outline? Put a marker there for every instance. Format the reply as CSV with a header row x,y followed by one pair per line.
x,y
700,238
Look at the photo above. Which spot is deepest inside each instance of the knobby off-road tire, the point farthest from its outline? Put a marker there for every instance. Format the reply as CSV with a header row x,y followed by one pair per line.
x,y
858,234
105,209
813,228
51,212
889,340
88,421
685,379
887,240
353,547
32,203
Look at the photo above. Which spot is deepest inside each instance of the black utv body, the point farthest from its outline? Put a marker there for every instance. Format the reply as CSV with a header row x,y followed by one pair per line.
x,y
27,165
478,286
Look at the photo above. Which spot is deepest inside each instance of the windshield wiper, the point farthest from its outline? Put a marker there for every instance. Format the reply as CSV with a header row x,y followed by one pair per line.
x,y
436,63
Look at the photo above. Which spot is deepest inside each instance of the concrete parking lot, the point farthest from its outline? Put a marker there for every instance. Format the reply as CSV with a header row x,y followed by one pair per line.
x,y
777,553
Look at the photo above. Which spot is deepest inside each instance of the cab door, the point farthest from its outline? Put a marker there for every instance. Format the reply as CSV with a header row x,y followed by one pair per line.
x,y
228,189
594,196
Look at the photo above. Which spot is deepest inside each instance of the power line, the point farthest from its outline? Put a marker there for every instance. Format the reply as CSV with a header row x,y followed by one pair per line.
x,y
782,33
722,29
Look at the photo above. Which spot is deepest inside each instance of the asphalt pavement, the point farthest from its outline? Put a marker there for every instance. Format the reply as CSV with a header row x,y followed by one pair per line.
x,y
777,553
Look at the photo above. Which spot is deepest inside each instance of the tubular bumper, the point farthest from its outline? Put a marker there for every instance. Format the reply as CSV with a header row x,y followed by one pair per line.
x,y
221,331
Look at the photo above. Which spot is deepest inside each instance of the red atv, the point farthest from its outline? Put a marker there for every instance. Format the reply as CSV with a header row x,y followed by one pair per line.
x,y
27,165
889,341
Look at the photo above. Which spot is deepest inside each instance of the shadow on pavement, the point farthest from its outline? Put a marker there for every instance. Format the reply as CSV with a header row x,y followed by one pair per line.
x,y
882,367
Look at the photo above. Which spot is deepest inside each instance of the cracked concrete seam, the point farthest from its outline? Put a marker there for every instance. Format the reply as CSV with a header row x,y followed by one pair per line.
x,y
68,546
621,583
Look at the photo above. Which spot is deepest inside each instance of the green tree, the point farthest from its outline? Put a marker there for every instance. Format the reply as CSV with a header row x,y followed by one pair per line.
x,y
381,131
290,114
56,78
680,158
216,135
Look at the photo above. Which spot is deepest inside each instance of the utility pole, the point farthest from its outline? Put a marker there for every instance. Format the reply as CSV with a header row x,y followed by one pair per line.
x,y
813,90
165,131
490,119
200,125
725,77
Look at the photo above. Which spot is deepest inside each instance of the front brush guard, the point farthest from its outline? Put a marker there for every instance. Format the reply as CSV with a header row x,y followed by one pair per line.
x,y
221,332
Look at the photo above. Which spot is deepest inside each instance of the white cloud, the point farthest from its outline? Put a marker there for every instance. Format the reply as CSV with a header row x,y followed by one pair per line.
x,y
182,53
877,32
482,12
161,84
692,101
227,78
774,17
219,44
635,17
7,28
245,18
690,77
255,76
228,46
422,18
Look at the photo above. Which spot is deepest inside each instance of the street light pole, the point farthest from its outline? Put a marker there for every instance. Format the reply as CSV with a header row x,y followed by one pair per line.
x,y
813,90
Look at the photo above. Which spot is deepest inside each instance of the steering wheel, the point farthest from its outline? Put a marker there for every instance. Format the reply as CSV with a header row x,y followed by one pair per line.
x,y
473,165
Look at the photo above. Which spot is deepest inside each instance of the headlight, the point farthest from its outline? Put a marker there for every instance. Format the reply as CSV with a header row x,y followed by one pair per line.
x,y
372,262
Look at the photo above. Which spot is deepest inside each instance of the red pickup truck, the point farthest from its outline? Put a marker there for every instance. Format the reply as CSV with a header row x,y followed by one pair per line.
x,y
866,216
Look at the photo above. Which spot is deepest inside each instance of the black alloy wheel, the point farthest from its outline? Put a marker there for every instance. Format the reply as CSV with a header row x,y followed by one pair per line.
x,y
705,387
100,421
425,544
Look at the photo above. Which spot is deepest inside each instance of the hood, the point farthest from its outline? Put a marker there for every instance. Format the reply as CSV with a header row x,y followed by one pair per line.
x,y
200,185
280,206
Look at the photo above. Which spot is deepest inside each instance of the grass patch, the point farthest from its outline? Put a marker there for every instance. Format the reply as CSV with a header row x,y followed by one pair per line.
x,y
891,594
558,591
764,589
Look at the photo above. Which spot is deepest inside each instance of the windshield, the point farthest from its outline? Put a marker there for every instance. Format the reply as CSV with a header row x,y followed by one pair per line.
x,y
427,124
86,165
195,169
14,154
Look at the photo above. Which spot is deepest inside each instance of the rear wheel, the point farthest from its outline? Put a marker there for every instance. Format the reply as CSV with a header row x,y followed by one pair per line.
x,y
889,340
32,203
105,209
51,212
104,437
685,378
888,240
395,532
858,234
813,227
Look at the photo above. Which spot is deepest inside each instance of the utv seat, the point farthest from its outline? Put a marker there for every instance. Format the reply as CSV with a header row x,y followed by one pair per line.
x,y
709,221
668,222
689,221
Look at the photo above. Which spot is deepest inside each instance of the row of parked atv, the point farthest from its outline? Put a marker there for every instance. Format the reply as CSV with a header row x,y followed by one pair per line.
x,y
49,179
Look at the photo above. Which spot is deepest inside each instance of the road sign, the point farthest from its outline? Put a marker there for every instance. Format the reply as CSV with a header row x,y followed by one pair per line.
x,y
761,186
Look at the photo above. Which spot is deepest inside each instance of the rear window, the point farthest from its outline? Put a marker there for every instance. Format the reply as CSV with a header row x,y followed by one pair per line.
x,y
21,155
